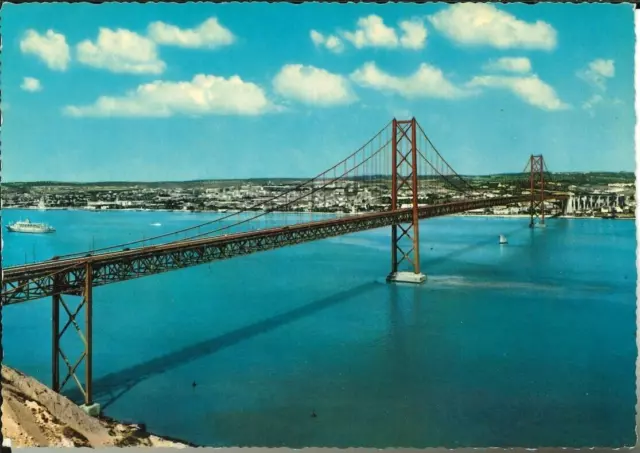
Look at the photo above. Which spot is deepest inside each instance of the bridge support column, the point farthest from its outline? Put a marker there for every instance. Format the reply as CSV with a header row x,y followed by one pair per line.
x,y
536,182
405,247
73,319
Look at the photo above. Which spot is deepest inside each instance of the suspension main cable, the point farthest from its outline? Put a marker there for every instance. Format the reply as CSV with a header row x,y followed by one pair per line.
x,y
288,203
442,158
219,219
440,174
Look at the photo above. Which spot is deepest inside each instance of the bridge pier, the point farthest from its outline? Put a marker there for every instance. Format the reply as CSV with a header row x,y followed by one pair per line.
x,y
60,288
404,175
406,277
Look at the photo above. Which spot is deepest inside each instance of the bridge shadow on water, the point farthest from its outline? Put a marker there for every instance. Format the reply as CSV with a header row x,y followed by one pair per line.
x,y
113,386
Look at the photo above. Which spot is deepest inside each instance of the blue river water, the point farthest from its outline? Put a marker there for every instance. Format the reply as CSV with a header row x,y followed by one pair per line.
x,y
528,344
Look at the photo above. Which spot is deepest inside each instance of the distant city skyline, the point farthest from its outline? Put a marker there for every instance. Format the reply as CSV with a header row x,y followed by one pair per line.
x,y
252,179
181,92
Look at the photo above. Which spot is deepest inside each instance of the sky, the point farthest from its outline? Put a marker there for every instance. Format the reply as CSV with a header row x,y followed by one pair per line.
x,y
144,92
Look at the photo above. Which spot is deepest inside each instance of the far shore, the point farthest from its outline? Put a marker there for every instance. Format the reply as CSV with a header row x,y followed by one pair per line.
x,y
232,212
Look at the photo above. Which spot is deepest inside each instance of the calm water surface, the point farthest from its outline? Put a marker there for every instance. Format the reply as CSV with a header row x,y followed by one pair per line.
x,y
529,344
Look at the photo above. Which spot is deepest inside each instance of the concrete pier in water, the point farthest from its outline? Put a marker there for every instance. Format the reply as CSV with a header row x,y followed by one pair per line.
x,y
406,277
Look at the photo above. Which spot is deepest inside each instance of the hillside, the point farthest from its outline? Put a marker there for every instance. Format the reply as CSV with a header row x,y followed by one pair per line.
x,y
35,416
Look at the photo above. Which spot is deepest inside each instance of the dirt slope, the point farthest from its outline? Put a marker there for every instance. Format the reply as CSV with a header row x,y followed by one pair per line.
x,y
35,416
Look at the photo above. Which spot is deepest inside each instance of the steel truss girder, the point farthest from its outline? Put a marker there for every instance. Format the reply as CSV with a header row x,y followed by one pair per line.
x,y
36,281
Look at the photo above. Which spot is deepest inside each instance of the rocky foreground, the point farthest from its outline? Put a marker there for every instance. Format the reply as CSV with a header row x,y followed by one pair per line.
x,y
35,416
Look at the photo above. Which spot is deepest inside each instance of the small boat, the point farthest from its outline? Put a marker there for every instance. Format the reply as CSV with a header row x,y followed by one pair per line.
x,y
26,226
503,239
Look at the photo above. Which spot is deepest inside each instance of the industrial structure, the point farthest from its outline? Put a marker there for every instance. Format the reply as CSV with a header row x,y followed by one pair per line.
x,y
400,155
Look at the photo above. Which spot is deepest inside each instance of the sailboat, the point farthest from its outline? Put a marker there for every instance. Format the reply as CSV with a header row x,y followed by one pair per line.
x,y
503,239
41,205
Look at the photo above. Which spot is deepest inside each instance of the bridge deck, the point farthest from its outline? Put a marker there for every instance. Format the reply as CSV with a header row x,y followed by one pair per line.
x,y
38,280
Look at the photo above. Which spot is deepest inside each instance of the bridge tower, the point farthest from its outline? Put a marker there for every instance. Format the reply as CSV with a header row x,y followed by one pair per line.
x,y
535,168
83,288
404,180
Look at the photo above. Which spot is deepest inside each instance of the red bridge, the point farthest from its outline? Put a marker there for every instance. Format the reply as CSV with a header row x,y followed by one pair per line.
x,y
396,179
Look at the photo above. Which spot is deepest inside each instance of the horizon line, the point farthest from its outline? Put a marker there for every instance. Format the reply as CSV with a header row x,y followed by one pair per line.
x,y
260,178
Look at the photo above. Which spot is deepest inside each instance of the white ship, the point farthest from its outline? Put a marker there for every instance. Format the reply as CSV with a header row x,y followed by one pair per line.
x,y
26,226
503,239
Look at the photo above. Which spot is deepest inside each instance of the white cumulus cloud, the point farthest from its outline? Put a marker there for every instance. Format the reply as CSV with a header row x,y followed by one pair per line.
x,y
31,84
509,64
414,34
485,24
427,82
592,102
371,31
121,51
606,68
330,42
597,73
203,95
311,85
209,34
51,48
529,88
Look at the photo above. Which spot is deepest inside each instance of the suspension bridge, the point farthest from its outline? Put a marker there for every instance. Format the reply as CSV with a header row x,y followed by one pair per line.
x,y
395,180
